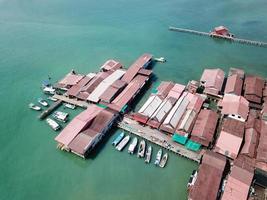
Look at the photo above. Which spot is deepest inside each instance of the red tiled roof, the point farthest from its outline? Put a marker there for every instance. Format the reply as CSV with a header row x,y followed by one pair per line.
x,y
251,142
234,85
262,148
236,105
209,177
212,79
253,88
204,128
135,67
230,138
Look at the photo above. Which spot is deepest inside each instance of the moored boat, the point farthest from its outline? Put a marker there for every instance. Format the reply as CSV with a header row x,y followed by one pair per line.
x,y
141,149
161,59
52,99
192,179
123,143
133,146
60,116
34,107
158,158
118,139
163,160
148,154
42,102
54,125
67,105
49,90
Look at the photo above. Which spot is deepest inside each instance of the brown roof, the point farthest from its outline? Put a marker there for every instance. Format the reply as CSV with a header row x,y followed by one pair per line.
x,y
146,72
164,88
75,89
233,127
236,71
253,88
212,79
262,148
209,177
204,127
141,62
235,105
251,142
234,85
109,94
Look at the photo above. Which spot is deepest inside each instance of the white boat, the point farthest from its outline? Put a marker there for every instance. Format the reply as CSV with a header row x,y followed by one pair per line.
x,y
123,143
133,146
42,102
163,160
148,154
158,158
52,99
141,149
67,105
192,179
54,125
161,59
34,107
60,116
49,90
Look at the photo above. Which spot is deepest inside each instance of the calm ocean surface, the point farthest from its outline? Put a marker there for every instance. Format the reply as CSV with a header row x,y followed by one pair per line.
x,y
41,38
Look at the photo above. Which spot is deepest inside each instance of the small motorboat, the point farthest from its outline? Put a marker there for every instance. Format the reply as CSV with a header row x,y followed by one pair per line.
x,y
60,116
52,99
148,154
42,102
49,90
123,143
161,59
54,125
192,179
163,160
67,105
158,158
133,146
141,149
118,139
34,107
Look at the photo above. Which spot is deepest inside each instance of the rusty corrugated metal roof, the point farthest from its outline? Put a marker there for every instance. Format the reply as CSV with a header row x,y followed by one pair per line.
x,y
234,85
253,87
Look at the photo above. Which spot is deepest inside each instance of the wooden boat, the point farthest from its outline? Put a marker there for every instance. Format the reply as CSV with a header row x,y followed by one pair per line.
x,y
163,160
42,102
158,158
148,154
123,143
133,146
34,107
141,149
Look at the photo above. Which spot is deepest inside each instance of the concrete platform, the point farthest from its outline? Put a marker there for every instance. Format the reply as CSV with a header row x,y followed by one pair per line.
x,y
159,138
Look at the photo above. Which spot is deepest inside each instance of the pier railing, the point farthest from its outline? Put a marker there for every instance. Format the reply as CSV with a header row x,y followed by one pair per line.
x,y
239,40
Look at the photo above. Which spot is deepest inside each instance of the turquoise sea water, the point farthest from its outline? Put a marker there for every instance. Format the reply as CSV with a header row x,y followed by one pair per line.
x,y
41,38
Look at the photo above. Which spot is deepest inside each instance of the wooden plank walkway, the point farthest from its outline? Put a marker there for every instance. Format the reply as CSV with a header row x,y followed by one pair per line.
x,y
54,106
158,138
79,103
239,40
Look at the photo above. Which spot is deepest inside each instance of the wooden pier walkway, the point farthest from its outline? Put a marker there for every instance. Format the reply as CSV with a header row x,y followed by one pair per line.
x,y
82,104
239,40
158,138
54,106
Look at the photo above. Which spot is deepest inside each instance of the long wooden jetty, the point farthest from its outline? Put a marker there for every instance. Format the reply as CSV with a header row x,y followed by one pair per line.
x,y
82,104
158,138
239,40
45,113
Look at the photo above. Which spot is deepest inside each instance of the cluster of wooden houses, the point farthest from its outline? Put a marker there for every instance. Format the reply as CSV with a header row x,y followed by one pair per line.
x,y
108,93
227,116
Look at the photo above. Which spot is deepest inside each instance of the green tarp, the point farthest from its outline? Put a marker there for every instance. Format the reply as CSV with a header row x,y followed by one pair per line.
x,y
194,146
179,138
101,105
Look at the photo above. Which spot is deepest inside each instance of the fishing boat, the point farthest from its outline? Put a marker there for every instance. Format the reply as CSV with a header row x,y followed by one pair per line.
x,y
60,116
158,158
148,154
54,125
67,105
52,99
161,59
163,160
123,143
133,146
34,107
42,102
141,149
49,90
118,139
